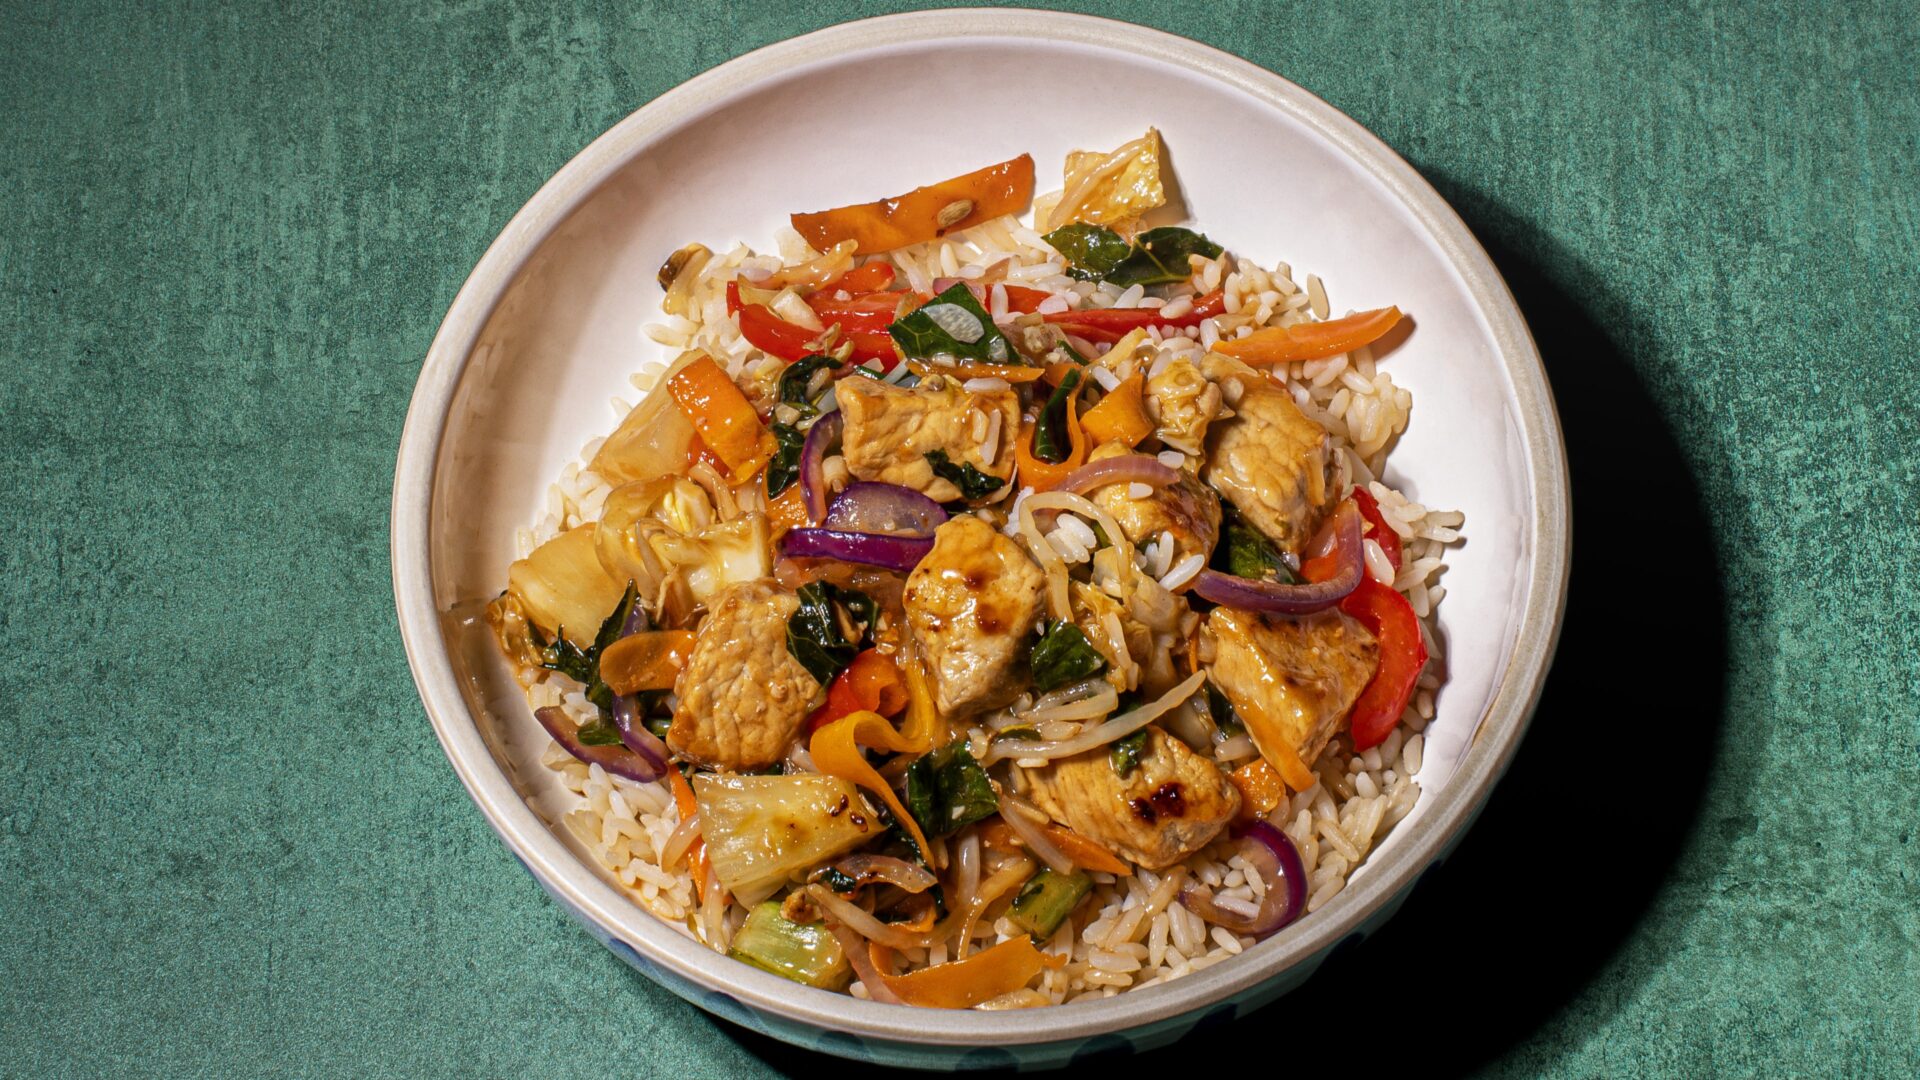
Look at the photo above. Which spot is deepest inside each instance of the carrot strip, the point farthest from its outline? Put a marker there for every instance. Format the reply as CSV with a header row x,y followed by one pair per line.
x,y
721,415
1311,341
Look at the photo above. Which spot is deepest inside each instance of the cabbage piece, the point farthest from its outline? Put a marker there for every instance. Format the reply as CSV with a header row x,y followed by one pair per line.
x,y
1112,189
760,830
652,440
563,587
661,535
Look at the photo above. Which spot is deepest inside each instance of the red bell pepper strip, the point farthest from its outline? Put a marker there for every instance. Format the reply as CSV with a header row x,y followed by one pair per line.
x,y
1112,324
862,279
1402,656
769,332
872,683
1377,528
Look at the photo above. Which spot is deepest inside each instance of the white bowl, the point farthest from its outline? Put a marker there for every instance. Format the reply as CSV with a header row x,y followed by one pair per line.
x,y
547,329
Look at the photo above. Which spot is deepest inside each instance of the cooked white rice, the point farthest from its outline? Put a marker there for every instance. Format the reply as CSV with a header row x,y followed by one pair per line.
x,y
1130,933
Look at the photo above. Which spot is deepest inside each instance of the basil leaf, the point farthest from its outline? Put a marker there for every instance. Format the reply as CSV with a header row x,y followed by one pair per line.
x,y
1051,442
815,636
1063,655
973,483
948,790
583,665
1127,752
784,469
1160,257
795,380
1092,251
1221,711
953,324
1245,552
599,732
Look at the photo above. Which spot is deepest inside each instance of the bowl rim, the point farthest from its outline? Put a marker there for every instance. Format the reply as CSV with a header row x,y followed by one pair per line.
x,y
580,887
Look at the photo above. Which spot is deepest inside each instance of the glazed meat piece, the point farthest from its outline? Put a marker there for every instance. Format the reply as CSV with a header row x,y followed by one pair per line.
x,y
1291,680
1182,402
1270,459
743,696
971,605
890,431
1189,510
1168,806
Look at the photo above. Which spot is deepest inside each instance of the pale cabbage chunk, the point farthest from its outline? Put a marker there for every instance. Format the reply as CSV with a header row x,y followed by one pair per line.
x,y
760,830
1112,189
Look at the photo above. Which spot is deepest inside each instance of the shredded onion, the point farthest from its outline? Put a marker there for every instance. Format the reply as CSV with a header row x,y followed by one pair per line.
x,y
1049,560
1120,469
1013,873
862,961
1014,811
863,922
1099,702
1118,727
966,867
678,841
866,869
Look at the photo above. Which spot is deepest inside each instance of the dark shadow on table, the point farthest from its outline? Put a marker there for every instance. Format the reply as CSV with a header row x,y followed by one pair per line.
x,y
1575,841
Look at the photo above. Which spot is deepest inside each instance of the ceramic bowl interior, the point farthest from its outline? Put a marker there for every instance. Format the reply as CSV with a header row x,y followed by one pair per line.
x,y
548,328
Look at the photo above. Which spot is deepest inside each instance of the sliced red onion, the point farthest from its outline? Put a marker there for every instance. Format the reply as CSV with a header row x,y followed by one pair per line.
x,y
871,507
618,760
1122,469
1271,853
1270,596
1015,813
866,869
813,455
626,707
901,553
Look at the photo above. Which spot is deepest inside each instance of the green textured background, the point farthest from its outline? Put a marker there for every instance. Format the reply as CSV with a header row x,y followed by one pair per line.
x,y
230,845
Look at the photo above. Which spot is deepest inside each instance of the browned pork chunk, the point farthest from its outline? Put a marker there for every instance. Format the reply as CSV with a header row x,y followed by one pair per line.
x,y
1290,680
971,605
1189,510
891,430
743,696
1270,459
1167,806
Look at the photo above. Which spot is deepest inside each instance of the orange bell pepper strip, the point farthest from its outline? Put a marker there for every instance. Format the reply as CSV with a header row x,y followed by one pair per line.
x,y
836,751
923,213
962,984
789,511
650,660
1311,341
1045,475
722,417
688,806
1121,416
872,682
1079,850
1013,373
922,724
862,279
1261,788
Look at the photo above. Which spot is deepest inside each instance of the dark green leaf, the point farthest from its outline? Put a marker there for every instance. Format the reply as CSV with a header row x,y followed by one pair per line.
x,y
1051,441
1160,257
1245,552
973,483
1221,710
794,382
1127,752
817,635
1091,251
922,336
583,665
784,469
599,732
947,790
836,881
1064,655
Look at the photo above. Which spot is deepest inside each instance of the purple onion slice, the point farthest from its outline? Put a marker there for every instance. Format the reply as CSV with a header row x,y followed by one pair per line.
x,y
813,454
1270,853
1124,469
618,760
870,507
901,553
1271,596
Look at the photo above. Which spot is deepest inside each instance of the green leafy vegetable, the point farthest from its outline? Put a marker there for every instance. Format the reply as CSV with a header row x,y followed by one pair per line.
x,y
1160,257
1245,552
1221,711
1156,257
784,469
1051,442
1063,655
948,790
583,665
817,633
835,881
1092,251
795,380
953,324
1126,753
973,483
599,732
1017,733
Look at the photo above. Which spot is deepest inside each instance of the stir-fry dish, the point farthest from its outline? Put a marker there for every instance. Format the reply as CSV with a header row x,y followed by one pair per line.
x,y
984,613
